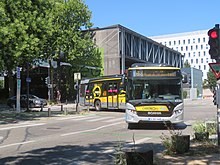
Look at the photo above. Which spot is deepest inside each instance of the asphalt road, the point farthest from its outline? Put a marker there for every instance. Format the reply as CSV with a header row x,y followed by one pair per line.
x,y
90,138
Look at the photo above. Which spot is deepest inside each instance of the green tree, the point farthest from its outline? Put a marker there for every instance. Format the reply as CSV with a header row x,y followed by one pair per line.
x,y
211,79
25,27
42,29
186,64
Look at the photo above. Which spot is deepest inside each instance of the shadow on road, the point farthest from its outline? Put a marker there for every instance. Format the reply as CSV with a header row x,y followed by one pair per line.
x,y
70,155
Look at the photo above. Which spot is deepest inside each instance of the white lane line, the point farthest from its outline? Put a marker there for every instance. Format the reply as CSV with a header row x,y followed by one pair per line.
x,y
74,117
128,144
102,118
114,120
15,144
21,126
89,130
84,118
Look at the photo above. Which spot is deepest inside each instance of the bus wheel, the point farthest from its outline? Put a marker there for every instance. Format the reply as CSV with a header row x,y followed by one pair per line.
x,y
97,105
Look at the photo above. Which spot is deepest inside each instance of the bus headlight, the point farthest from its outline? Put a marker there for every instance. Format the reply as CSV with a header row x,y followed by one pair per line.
x,y
130,108
178,111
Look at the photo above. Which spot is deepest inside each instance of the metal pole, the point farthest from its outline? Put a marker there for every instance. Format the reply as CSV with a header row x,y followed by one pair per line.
x,y
77,98
218,110
28,91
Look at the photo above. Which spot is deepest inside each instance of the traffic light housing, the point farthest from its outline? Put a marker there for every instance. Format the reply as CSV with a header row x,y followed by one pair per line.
x,y
214,42
47,80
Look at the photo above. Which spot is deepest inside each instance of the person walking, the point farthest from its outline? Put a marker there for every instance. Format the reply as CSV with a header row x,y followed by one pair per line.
x,y
58,97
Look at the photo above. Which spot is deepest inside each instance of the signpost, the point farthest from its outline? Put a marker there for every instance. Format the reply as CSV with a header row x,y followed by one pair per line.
x,y
18,106
216,70
77,77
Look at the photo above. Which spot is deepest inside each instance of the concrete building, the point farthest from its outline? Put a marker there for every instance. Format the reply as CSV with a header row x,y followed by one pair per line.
x,y
121,47
193,45
194,87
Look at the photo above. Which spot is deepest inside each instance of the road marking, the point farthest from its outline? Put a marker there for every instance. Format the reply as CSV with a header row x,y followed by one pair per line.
x,y
85,118
128,144
102,118
1,137
15,144
89,130
21,126
74,117
114,120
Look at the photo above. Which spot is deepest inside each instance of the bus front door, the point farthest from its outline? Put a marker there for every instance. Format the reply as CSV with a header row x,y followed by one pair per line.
x,y
113,95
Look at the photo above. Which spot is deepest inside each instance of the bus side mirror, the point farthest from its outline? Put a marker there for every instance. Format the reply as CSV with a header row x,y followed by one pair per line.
x,y
184,78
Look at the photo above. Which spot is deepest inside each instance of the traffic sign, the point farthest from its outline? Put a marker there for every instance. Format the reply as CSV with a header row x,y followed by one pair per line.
x,y
77,76
215,69
18,73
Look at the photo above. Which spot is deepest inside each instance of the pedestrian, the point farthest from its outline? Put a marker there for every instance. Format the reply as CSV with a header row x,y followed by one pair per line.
x,y
58,97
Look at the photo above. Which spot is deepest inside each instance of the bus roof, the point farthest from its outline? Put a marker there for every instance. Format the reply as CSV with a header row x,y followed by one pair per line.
x,y
151,66
103,78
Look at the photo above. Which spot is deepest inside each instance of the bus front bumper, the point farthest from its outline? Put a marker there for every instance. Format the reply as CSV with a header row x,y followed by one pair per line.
x,y
132,117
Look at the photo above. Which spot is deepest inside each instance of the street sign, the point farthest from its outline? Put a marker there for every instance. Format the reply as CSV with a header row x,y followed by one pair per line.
x,y
18,73
215,69
28,79
77,76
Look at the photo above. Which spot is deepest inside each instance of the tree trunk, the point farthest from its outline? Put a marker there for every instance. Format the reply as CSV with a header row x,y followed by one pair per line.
x,y
11,85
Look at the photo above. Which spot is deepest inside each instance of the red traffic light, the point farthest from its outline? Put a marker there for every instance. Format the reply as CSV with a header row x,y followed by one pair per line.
x,y
213,33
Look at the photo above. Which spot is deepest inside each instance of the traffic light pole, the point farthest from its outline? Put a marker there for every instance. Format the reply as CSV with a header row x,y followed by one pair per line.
x,y
218,110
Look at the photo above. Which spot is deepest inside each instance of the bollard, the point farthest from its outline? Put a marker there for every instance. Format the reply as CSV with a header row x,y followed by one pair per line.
x,y
65,112
49,112
66,101
42,107
61,107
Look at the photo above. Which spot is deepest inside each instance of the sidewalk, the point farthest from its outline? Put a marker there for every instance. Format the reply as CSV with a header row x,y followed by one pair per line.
x,y
9,115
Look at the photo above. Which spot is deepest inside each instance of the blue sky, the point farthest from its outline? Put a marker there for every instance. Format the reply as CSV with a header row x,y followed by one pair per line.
x,y
156,17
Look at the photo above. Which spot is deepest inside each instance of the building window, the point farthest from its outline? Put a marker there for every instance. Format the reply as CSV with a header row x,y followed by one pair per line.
x,y
174,42
188,41
194,54
204,53
184,41
199,67
186,48
191,47
196,47
191,61
198,40
196,61
199,54
179,42
201,46
189,54
181,48
207,46
201,60
204,67
193,40
169,42
204,39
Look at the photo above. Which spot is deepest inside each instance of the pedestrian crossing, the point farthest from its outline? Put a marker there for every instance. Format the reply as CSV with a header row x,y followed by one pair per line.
x,y
94,118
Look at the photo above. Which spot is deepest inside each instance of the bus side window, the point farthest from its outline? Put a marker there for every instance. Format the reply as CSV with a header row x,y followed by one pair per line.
x,y
104,89
115,89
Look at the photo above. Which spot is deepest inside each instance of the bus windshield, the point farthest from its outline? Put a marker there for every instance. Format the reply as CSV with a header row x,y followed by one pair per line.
x,y
151,90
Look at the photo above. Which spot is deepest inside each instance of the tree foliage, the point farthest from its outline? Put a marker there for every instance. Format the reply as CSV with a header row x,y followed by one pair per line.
x,y
42,29
186,64
211,79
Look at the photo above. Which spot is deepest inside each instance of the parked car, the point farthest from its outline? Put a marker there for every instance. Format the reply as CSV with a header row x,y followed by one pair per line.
x,y
34,101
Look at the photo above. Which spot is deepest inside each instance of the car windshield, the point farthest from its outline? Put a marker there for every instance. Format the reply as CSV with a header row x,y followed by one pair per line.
x,y
154,90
